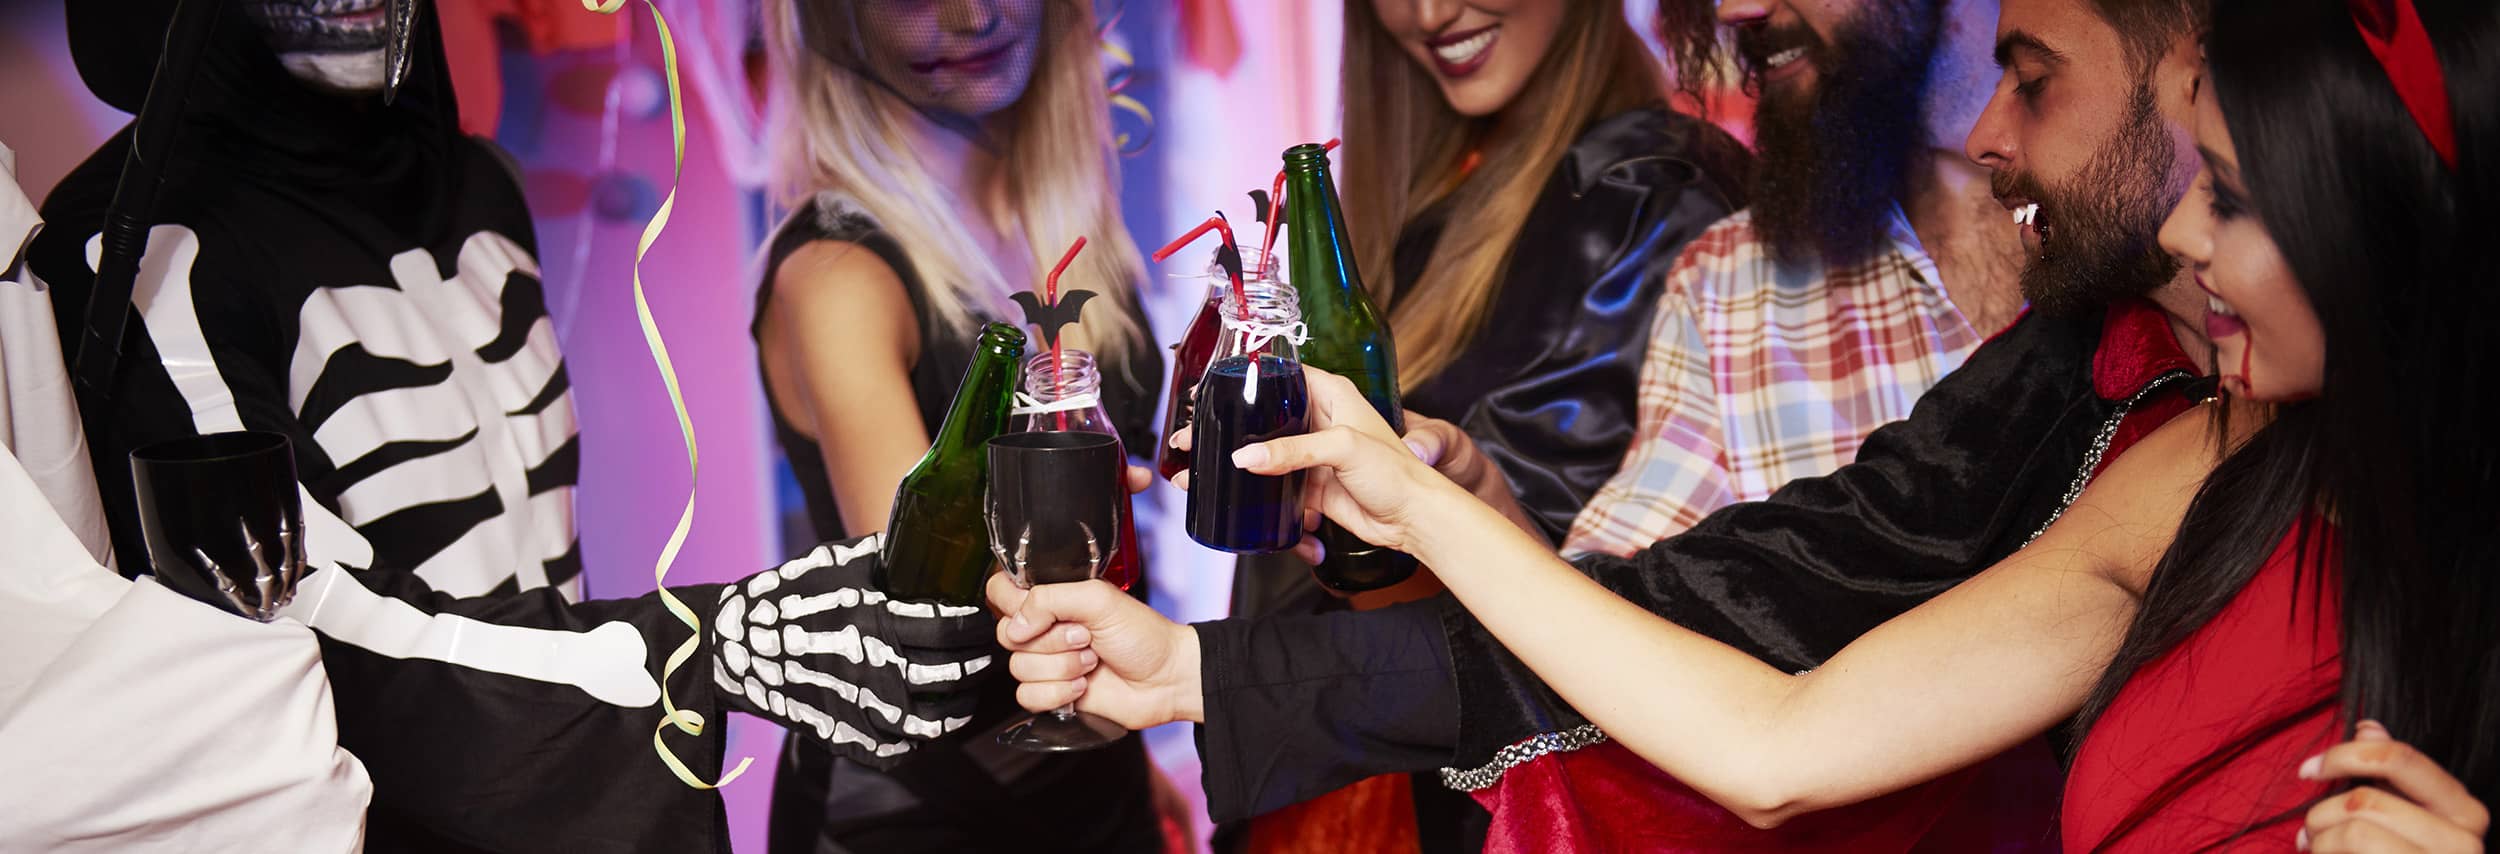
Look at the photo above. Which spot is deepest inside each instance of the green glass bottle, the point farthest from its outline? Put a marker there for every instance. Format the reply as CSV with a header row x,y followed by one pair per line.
x,y
1349,338
936,543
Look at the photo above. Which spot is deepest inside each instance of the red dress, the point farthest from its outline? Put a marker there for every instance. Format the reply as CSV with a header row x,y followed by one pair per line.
x,y
1606,798
2272,652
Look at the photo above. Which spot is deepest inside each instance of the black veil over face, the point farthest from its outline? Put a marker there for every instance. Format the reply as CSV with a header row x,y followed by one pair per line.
x,y
955,62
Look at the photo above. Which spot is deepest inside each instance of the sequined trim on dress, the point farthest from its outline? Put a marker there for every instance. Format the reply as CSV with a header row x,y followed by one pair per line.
x,y
1472,779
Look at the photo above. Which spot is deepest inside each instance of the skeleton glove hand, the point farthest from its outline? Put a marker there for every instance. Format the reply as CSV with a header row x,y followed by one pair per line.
x,y
813,646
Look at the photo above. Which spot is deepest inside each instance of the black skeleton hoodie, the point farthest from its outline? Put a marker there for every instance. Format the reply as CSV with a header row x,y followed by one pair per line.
x,y
360,277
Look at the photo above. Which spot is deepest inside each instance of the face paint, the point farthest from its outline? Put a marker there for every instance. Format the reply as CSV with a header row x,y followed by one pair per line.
x,y
355,47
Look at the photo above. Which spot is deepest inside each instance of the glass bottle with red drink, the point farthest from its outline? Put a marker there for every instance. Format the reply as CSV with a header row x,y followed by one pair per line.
x,y
1064,392
1197,347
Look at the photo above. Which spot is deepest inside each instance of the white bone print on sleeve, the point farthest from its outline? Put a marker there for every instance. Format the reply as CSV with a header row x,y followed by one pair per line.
x,y
812,645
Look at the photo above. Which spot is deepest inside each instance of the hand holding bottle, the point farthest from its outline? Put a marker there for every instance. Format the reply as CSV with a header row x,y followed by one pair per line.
x,y
816,647
1349,336
1360,473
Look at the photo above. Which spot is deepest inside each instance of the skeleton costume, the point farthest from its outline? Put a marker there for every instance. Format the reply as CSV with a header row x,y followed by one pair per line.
x,y
359,276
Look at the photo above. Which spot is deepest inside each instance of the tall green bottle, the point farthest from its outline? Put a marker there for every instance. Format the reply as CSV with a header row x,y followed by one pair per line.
x,y
1349,338
936,544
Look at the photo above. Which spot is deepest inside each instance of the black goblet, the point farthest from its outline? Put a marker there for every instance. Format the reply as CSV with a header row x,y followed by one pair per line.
x,y
223,518
1054,517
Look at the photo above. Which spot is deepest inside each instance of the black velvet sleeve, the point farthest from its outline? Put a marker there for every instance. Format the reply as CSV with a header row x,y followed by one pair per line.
x,y
511,764
1979,465
1297,706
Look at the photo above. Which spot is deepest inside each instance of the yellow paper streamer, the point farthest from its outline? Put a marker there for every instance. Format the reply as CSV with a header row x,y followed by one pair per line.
x,y
1121,101
686,721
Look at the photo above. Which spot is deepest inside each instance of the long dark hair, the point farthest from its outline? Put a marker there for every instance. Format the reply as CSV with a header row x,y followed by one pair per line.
x,y
2391,248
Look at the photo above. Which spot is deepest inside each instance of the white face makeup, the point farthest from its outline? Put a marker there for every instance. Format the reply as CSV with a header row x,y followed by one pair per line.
x,y
333,45
967,58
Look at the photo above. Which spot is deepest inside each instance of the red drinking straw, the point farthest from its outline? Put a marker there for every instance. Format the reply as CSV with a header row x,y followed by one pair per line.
x,y
1275,215
1218,225
1181,242
1050,294
1276,207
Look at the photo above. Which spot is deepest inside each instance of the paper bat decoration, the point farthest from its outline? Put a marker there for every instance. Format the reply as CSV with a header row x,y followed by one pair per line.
x,y
1050,317
1229,258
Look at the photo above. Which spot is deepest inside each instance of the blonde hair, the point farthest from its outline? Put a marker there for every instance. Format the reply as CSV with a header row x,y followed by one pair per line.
x,y
838,132
1405,147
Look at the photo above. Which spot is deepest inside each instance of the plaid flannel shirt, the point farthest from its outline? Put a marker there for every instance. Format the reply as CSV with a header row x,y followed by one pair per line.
x,y
1760,373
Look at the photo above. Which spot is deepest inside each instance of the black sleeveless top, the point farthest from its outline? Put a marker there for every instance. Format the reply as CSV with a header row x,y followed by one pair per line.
x,y
966,793
1131,380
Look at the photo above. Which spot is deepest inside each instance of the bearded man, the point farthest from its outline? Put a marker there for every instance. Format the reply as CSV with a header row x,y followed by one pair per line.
x,y
1870,263
2086,137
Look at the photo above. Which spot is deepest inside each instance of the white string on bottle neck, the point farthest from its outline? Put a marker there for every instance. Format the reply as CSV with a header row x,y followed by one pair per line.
x,y
1027,404
1257,334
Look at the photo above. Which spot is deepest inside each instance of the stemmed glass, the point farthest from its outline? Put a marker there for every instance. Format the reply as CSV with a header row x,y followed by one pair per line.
x,y
1054,517
223,518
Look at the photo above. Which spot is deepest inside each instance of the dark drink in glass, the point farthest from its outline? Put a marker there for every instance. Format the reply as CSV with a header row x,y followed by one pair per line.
x,y
1253,391
1054,497
1244,400
1197,348
1189,362
223,518
1067,396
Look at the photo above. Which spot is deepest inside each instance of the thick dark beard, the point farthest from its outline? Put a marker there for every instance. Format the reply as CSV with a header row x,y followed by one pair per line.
x,y
1835,161
2104,228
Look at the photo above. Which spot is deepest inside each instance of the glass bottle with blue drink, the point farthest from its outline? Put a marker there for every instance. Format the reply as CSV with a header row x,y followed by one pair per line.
x,y
1252,391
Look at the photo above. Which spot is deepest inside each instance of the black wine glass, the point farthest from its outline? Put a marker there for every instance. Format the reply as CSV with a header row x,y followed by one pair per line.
x,y
223,518
1054,517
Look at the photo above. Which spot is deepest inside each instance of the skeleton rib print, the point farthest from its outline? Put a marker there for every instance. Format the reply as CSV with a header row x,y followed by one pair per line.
x,y
216,383
442,399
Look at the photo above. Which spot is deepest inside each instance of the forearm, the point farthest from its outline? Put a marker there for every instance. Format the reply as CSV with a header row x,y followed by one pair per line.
x,y
1653,677
1498,496
1961,678
520,689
